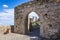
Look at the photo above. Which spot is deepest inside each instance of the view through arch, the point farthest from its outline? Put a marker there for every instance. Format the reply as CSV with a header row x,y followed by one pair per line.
x,y
33,23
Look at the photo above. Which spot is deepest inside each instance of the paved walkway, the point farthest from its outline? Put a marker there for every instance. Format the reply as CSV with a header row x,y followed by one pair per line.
x,y
14,36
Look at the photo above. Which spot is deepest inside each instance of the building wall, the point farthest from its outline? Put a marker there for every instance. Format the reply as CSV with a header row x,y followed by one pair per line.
x,y
28,24
49,18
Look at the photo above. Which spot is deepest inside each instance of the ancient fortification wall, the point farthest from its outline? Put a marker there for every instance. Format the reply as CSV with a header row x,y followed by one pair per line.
x,y
49,14
6,29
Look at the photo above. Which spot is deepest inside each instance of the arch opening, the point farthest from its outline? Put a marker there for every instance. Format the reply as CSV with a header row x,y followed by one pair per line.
x,y
33,22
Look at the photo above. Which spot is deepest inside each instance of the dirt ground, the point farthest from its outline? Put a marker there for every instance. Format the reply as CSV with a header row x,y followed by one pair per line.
x,y
13,36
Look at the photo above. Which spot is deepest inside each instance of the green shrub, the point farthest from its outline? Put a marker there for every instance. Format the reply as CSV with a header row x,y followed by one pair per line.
x,y
58,1
35,24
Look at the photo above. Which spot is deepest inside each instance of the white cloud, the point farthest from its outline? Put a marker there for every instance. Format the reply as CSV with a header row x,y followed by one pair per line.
x,y
5,6
7,17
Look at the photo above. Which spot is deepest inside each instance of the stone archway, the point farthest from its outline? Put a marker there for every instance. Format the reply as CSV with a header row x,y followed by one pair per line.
x,y
49,18
33,21
26,21
21,17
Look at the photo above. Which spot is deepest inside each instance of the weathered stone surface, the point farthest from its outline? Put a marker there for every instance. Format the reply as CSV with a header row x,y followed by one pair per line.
x,y
3,29
49,14
6,29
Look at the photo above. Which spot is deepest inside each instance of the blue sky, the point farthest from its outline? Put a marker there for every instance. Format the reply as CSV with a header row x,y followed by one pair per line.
x,y
7,11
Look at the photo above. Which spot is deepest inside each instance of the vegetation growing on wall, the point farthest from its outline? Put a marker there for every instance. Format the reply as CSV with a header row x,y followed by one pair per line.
x,y
58,1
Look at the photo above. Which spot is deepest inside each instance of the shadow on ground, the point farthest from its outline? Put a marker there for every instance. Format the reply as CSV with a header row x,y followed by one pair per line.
x,y
34,35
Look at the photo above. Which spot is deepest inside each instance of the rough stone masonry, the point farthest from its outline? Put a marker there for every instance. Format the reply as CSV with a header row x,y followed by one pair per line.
x,y
49,13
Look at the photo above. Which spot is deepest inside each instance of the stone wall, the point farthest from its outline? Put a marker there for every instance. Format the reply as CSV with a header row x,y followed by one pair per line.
x,y
5,29
49,14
